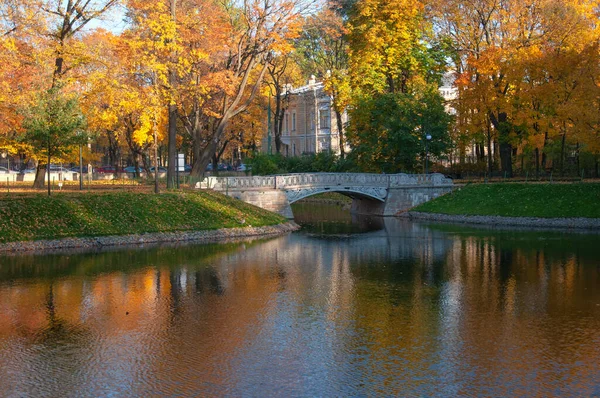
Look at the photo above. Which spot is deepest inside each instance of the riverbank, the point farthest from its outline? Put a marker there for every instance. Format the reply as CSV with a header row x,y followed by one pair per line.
x,y
572,206
496,221
110,216
219,235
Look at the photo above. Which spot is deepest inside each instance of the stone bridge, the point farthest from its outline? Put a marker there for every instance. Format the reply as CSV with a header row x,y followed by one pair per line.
x,y
372,194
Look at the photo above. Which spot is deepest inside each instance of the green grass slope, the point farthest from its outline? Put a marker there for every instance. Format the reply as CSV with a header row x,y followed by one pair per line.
x,y
520,200
38,217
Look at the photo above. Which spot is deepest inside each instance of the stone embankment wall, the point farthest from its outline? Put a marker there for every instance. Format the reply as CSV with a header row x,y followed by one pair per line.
x,y
183,236
575,223
398,200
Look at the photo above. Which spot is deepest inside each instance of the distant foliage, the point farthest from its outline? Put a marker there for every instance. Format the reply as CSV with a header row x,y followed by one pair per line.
x,y
310,163
388,131
54,124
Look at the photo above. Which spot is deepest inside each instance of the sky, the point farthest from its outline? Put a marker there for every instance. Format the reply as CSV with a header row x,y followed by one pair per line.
x,y
112,21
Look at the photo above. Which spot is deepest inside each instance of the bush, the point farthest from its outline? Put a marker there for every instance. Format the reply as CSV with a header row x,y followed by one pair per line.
x,y
322,162
263,165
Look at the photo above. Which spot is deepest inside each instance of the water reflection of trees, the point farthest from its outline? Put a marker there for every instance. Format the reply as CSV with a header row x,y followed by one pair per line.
x,y
404,309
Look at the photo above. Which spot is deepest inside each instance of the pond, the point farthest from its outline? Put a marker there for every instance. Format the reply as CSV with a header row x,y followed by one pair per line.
x,y
346,307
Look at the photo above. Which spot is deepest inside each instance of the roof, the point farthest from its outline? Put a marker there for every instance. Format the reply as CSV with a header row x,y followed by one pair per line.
x,y
307,88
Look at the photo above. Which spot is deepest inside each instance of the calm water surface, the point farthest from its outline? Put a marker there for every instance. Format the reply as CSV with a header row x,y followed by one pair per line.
x,y
347,307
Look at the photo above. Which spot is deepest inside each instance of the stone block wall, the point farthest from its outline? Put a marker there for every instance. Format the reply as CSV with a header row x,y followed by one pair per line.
x,y
404,199
269,199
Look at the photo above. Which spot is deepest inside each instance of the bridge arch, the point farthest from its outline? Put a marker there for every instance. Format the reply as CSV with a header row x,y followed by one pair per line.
x,y
378,195
375,194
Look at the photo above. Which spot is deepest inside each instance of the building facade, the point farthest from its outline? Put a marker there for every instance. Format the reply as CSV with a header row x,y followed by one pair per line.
x,y
309,122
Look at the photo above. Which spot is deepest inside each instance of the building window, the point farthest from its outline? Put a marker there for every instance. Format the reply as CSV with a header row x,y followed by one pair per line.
x,y
294,121
325,118
287,123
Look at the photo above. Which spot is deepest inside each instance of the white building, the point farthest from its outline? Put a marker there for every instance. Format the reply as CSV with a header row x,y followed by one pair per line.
x,y
449,91
309,122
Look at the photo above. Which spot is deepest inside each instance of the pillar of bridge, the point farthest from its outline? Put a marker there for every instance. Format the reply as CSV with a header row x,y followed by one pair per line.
x,y
403,199
366,206
274,200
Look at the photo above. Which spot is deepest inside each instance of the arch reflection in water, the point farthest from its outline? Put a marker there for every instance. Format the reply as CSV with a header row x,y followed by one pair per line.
x,y
403,309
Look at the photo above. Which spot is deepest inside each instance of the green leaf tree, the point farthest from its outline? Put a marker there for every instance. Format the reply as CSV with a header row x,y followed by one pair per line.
x,y
387,132
53,125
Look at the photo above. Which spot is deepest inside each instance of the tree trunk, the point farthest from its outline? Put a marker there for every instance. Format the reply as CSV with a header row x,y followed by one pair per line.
x,y
172,150
489,148
172,142
502,125
562,154
197,150
506,159
496,152
522,163
113,151
136,165
215,163
146,165
40,176
544,155
278,119
577,160
340,127
537,162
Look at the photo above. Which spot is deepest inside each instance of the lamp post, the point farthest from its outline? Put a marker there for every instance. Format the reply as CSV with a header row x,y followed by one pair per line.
x,y
316,119
427,139
81,165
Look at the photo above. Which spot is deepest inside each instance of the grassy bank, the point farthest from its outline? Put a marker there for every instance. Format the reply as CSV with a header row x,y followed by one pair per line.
x,y
36,217
520,200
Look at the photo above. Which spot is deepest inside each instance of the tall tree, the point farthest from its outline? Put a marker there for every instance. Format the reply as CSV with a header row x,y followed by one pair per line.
x,y
258,27
394,73
283,73
63,20
172,142
53,125
505,52
324,48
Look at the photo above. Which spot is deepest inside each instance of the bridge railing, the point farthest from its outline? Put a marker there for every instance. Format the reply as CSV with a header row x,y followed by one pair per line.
x,y
290,181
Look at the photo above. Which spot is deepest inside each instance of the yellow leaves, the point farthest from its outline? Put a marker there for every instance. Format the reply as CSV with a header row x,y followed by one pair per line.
x,y
143,134
384,36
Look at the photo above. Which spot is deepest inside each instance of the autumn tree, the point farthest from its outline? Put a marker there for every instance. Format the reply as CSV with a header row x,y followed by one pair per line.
x,y
324,49
20,73
256,29
283,74
57,25
394,75
508,59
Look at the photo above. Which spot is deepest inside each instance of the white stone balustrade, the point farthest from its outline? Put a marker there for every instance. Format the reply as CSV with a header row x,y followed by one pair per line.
x,y
383,194
332,180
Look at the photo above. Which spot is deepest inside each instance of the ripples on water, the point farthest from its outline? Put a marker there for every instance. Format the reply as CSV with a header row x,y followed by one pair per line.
x,y
399,309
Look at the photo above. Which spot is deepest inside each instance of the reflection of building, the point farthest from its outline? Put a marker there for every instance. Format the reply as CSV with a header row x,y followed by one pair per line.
x,y
309,123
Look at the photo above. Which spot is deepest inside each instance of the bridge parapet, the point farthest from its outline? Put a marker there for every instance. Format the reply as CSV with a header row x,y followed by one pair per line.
x,y
294,181
238,183
376,194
